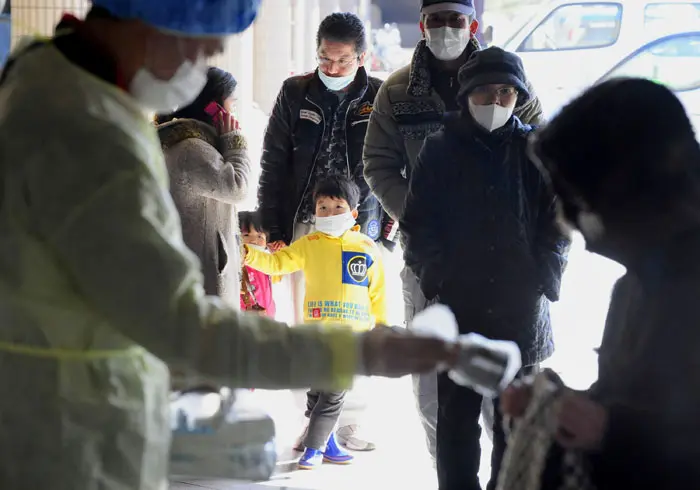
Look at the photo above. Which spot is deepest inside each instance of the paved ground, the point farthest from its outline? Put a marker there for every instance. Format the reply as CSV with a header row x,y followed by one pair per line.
x,y
401,460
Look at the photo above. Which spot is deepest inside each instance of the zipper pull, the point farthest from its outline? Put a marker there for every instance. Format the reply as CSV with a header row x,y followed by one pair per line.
x,y
452,81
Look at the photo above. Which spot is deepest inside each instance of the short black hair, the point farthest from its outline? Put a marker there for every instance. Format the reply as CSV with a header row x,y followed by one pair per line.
x,y
343,27
220,86
248,220
338,187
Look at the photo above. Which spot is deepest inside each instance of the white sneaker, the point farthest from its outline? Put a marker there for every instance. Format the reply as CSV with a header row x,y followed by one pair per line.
x,y
348,436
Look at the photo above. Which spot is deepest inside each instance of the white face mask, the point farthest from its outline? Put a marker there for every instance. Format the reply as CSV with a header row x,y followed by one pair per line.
x,y
591,225
336,84
447,43
490,117
165,96
335,225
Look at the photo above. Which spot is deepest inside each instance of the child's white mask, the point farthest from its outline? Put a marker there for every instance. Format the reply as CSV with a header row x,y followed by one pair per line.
x,y
258,247
335,225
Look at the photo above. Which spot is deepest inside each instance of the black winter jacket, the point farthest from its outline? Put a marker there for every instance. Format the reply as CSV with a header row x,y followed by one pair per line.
x,y
294,134
649,374
481,233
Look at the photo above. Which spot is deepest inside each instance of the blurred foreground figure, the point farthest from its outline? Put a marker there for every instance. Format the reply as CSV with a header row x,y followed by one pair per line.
x,y
625,164
99,294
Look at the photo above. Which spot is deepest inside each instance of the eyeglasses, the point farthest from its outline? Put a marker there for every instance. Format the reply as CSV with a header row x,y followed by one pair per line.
x,y
343,63
503,94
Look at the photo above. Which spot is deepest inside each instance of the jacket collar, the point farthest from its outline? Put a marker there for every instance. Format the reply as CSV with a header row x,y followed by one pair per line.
x,y
318,90
419,77
173,132
465,127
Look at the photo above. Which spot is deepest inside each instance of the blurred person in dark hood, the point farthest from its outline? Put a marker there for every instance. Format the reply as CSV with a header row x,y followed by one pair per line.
x,y
625,164
481,235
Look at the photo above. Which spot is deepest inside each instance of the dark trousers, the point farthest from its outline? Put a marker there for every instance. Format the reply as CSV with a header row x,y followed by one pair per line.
x,y
458,434
323,409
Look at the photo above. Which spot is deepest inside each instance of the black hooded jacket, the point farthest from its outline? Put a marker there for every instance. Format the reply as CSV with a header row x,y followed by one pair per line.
x,y
481,233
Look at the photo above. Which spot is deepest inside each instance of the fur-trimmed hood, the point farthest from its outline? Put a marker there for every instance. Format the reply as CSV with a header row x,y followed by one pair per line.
x,y
420,80
178,130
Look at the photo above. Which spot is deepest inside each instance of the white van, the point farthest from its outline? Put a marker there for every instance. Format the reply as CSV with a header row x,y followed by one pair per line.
x,y
568,45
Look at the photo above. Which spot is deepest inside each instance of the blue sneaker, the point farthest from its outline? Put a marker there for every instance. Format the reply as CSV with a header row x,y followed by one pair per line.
x,y
334,454
311,459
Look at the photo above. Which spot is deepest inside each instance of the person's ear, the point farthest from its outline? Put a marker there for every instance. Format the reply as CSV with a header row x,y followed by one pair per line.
x,y
421,25
473,27
361,59
355,213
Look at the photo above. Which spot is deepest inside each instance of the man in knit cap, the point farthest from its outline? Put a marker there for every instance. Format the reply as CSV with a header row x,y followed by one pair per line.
x,y
408,107
481,236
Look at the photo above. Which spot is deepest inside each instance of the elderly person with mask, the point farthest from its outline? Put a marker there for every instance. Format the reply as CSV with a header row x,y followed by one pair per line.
x,y
625,164
481,236
207,160
408,108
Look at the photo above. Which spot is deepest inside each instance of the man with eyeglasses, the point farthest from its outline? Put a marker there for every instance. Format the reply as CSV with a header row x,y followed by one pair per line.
x,y
317,130
480,233
410,106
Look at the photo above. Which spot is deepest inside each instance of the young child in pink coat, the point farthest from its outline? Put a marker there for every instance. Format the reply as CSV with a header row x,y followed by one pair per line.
x,y
256,286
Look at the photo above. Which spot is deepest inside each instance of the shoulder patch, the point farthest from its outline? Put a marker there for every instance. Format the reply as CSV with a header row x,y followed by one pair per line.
x,y
365,109
373,229
312,116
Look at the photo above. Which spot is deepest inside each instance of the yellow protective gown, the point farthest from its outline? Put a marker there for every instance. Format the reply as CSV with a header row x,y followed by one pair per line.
x,y
98,293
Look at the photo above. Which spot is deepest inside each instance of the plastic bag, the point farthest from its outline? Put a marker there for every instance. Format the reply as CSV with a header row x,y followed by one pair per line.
x,y
486,366
218,435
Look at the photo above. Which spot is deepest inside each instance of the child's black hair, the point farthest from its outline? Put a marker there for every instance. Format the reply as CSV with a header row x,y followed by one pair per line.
x,y
338,187
251,219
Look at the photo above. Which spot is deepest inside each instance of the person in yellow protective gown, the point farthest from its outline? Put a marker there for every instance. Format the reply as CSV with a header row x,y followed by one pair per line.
x,y
98,293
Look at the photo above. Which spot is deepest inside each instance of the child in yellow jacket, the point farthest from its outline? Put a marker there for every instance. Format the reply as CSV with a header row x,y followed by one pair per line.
x,y
344,278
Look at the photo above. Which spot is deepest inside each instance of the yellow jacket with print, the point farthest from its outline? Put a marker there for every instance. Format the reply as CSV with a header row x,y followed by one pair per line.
x,y
344,277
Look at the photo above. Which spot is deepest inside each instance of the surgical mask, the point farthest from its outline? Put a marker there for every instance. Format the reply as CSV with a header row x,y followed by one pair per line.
x,y
335,225
490,117
447,43
167,95
591,225
336,84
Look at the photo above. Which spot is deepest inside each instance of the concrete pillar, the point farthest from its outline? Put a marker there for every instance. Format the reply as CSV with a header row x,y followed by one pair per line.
x,y
39,17
329,6
312,21
237,59
350,6
273,51
299,34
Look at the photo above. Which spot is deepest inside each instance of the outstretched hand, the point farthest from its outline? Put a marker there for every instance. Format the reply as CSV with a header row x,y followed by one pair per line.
x,y
276,246
581,422
393,352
